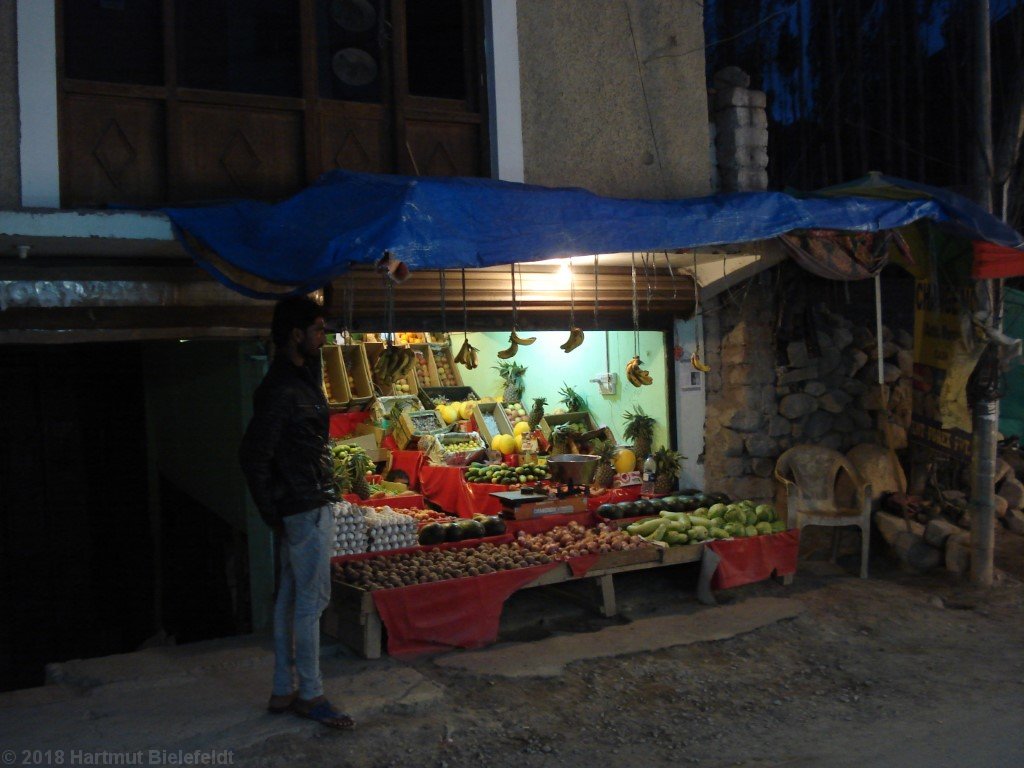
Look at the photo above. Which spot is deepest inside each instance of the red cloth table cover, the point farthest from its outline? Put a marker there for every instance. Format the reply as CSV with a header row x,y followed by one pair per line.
x,y
342,424
405,501
457,613
409,462
481,495
545,523
745,561
446,487
628,493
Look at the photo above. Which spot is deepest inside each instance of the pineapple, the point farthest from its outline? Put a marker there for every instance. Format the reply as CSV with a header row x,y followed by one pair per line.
x,y
358,466
512,374
536,412
666,476
560,440
571,399
640,430
605,472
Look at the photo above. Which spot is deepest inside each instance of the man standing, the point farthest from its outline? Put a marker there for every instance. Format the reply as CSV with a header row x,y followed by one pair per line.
x,y
286,460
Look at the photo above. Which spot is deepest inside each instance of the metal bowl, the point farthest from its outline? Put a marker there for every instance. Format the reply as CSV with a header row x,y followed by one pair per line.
x,y
573,469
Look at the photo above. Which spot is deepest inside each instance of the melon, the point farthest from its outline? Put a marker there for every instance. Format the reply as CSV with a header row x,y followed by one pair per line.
x,y
466,410
506,444
448,413
520,428
625,460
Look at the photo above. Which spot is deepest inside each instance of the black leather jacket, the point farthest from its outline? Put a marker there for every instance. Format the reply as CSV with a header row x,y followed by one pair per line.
x,y
285,454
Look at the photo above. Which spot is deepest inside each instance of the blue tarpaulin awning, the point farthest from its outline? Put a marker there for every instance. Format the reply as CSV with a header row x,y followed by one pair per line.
x,y
347,219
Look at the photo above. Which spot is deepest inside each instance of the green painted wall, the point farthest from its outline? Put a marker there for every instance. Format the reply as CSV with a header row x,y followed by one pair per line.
x,y
548,368
199,401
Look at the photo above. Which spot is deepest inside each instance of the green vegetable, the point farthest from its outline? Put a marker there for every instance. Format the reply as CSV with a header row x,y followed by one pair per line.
x,y
699,520
646,527
659,534
750,517
763,528
719,533
750,531
698,533
734,529
778,526
716,510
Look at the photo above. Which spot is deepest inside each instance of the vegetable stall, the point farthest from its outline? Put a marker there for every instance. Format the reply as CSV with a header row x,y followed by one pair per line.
x,y
467,448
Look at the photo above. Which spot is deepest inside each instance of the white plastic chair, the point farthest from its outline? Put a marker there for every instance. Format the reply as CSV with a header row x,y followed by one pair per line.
x,y
809,473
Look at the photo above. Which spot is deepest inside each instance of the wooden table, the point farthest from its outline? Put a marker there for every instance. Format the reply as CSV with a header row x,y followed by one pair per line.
x,y
352,616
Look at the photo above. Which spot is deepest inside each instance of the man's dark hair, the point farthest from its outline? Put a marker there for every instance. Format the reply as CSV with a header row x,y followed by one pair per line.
x,y
294,312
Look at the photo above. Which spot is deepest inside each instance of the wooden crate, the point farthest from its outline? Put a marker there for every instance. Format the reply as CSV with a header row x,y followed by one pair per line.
x,y
501,426
414,424
374,349
440,453
382,406
425,368
444,359
352,618
335,375
685,553
431,397
647,554
549,422
357,371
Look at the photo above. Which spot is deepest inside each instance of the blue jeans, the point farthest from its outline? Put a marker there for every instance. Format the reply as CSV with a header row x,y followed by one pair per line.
x,y
302,595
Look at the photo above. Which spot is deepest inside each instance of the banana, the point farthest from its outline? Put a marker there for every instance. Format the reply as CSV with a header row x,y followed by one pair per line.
x,y
636,375
574,340
517,339
696,362
505,354
467,355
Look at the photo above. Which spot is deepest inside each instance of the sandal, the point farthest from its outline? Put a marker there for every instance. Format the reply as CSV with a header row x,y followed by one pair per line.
x,y
281,704
320,709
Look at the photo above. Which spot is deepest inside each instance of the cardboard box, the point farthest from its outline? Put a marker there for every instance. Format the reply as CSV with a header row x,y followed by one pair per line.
x,y
414,424
426,368
357,372
484,414
444,360
374,349
367,440
431,397
439,452
335,375
567,506
624,479
549,422
381,409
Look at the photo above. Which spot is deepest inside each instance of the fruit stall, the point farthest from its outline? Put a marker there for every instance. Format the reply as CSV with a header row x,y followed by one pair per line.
x,y
453,502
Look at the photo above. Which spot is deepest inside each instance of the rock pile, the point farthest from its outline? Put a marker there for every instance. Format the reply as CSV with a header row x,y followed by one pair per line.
x,y
827,390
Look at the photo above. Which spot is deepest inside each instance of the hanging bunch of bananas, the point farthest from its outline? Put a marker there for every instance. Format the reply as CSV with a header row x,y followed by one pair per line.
x,y
699,364
468,355
574,340
515,341
392,363
637,376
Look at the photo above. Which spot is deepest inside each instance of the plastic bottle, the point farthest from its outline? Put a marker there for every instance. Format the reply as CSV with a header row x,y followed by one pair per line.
x,y
647,476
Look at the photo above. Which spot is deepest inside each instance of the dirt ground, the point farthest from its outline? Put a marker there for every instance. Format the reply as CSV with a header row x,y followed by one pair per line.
x,y
896,670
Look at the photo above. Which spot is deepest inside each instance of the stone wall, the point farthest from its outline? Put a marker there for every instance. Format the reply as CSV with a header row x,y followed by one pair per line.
x,y
765,395
740,124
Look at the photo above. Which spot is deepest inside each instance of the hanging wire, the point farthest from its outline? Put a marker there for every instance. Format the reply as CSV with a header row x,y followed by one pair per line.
x,y
350,301
444,308
389,308
465,308
636,306
515,313
671,274
572,298
595,292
